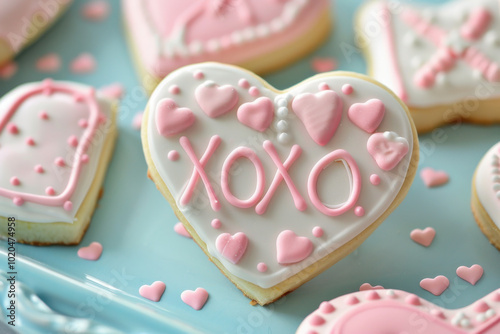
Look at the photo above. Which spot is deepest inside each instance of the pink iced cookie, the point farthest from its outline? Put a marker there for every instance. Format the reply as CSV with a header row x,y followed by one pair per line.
x,y
23,21
395,311
167,35
248,159
49,171
432,56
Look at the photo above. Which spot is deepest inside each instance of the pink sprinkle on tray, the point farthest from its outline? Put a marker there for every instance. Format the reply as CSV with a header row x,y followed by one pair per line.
x,y
433,178
113,91
8,70
97,10
49,63
84,63
326,64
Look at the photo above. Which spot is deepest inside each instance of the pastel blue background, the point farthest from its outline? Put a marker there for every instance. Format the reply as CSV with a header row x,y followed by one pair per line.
x,y
134,223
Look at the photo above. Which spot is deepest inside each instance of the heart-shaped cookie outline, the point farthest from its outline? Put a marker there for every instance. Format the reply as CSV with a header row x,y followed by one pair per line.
x,y
395,311
204,153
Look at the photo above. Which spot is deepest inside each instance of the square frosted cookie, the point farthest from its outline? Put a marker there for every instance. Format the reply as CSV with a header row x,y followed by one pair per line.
x,y
23,21
442,61
260,35
277,186
56,140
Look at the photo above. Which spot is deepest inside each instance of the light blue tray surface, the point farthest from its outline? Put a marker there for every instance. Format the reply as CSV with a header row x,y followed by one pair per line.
x,y
134,222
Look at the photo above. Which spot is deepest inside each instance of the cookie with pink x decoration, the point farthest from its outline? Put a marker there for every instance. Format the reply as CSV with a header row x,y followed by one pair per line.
x,y
442,61
23,21
277,186
260,35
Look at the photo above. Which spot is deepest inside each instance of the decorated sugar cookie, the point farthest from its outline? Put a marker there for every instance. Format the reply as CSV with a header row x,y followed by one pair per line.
x,y
56,139
395,311
276,186
23,21
442,61
486,195
261,35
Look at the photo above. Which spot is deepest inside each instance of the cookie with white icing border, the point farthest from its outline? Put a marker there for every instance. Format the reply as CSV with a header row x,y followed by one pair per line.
x,y
260,35
485,200
442,61
276,186
396,311
23,21
56,140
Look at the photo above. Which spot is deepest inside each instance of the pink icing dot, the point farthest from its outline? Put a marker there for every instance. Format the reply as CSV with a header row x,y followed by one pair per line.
x,y
198,75
496,297
60,162
375,179
173,155
326,307
438,313
83,123
84,158
73,141
359,211
317,231
254,91
102,118
14,181
352,300
18,201
412,300
50,191
347,89
243,83
12,128
372,295
216,224
39,169
481,306
316,320
30,141
68,205
262,267
174,89
43,115
323,86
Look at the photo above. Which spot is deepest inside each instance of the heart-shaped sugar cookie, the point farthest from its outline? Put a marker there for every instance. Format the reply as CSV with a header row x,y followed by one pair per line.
x,y
395,311
271,186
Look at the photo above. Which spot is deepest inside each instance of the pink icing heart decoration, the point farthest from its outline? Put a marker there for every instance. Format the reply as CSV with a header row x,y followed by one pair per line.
x,y
436,285
423,237
396,311
286,174
387,149
367,116
181,230
472,274
196,299
433,178
216,100
232,247
320,113
368,286
172,120
154,291
92,252
257,115
292,248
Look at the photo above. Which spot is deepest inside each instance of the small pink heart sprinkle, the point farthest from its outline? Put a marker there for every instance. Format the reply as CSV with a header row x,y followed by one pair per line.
x,y
113,91
8,70
84,63
436,285
472,274
423,237
154,291
92,252
49,63
181,230
323,64
196,299
97,10
433,178
368,286
137,121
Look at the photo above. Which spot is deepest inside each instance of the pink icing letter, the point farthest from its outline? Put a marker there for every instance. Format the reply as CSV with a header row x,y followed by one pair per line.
x,y
199,171
355,187
281,174
248,153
